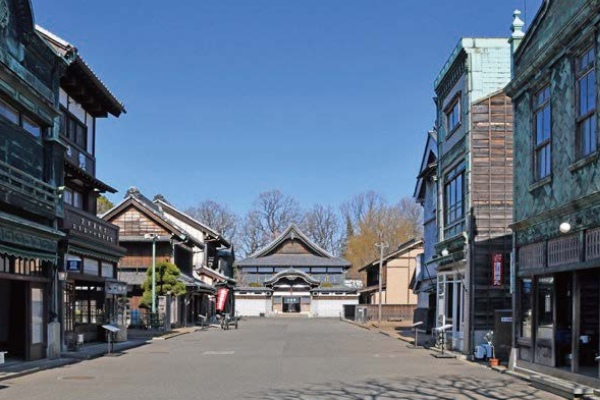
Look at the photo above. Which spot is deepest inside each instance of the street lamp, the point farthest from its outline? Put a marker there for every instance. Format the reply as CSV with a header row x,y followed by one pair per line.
x,y
154,238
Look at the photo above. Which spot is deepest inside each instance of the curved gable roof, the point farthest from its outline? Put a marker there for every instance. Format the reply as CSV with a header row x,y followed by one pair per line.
x,y
317,256
292,273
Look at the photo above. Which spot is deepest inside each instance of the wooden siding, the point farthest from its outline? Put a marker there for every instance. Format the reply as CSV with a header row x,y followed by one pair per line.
x,y
291,247
133,223
492,166
139,254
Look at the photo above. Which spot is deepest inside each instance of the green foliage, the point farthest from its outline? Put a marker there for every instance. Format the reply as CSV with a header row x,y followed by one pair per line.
x,y
103,205
166,282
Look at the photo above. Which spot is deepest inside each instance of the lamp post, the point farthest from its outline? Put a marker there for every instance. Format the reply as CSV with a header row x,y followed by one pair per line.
x,y
154,238
381,246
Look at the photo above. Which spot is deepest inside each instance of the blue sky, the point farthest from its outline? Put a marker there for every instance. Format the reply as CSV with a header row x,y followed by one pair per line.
x,y
321,99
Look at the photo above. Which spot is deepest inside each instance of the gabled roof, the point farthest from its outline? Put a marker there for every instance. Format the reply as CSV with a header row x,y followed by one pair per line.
x,y
317,255
211,234
428,164
403,248
105,102
134,198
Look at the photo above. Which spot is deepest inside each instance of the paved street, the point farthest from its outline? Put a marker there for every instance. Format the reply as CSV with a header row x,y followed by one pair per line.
x,y
272,359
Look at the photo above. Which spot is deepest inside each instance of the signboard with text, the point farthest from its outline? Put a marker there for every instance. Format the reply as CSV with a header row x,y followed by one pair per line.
x,y
497,269
221,298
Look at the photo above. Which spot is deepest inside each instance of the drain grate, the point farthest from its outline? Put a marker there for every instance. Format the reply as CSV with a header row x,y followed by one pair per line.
x,y
76,378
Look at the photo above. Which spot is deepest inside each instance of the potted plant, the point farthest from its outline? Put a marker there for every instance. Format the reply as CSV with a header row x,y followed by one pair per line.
x,y
489,338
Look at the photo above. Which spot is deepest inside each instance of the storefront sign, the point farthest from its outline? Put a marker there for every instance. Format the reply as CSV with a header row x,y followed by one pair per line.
x,y
95,229
221,298
497,270
116,288
74,265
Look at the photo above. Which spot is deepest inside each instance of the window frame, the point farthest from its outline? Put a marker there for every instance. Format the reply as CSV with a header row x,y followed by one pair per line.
x,y
451,178
590,114
539,108
454,104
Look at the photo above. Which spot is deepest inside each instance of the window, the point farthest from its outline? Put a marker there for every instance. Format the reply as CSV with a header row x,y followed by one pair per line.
x,y
74,130
526,308
73,198
586,103
454,190
453,115
13,115
543,134
32,127
9,113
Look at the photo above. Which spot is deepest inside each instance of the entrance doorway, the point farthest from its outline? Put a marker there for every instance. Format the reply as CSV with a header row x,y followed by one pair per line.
x,y
13,318
291,304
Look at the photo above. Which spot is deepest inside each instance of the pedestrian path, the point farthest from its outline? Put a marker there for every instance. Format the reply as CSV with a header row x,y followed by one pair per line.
x,y
15,368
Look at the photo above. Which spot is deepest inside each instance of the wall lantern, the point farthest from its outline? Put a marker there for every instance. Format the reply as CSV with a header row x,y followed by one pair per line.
x,y
564,227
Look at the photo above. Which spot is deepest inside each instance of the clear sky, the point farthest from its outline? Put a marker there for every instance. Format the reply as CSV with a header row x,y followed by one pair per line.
x,y
321,99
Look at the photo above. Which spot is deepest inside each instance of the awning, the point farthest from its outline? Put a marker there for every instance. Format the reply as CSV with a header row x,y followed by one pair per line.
x,y
93,254
29,254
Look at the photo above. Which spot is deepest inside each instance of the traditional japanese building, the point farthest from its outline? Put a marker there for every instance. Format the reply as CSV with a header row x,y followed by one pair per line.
x,y
398,269
292,274
89,252
557,191
31,165
149,226
474,177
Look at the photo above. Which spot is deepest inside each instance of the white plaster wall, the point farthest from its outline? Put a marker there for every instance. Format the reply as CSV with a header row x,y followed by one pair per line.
x,y
251,307
330,308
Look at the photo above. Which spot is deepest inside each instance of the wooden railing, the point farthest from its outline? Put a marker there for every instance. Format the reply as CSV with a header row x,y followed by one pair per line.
x,y
31,190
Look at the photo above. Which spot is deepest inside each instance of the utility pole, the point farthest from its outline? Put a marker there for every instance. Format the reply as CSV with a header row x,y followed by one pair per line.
x,y
382,245
154,238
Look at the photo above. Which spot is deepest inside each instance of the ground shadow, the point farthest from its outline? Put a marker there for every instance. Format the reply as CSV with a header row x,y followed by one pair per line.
x,y
418,388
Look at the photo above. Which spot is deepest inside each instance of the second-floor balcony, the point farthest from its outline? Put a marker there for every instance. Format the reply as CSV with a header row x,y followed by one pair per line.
x,y
21,190
79,223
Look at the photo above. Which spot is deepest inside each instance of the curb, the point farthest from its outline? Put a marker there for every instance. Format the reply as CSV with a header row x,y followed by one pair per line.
x,y
62,363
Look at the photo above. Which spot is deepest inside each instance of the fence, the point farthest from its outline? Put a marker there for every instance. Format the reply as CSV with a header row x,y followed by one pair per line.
x,y
389,312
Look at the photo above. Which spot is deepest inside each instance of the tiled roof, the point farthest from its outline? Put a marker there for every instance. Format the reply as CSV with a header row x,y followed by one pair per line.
x,y
293,260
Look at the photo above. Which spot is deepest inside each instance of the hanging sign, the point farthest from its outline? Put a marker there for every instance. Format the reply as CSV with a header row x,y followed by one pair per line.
x,y
221,298
497,269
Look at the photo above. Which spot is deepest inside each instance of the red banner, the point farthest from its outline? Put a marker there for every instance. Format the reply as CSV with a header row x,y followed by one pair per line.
x,y
221,298
497,269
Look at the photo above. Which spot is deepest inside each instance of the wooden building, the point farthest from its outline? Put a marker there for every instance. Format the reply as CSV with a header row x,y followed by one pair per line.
x,y
557,191
31,164
293,275
176,238
474,176
89,252
398,269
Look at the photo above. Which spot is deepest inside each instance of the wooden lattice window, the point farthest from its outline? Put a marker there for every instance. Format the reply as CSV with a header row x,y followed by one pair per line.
x,y
592,244
563,250
531,256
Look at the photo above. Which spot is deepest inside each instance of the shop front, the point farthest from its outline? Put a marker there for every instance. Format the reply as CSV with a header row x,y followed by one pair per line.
x,y
27,268
92,297
558,306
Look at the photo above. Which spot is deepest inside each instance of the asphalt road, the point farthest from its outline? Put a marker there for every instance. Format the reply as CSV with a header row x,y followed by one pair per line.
x,y
272,359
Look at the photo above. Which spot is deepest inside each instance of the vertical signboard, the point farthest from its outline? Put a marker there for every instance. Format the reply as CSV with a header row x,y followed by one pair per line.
x,y
221,298
497,269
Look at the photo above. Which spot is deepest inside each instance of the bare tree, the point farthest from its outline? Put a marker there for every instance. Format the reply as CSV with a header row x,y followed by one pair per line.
x,y
322,226
371,219
271,214
217,217
360,207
